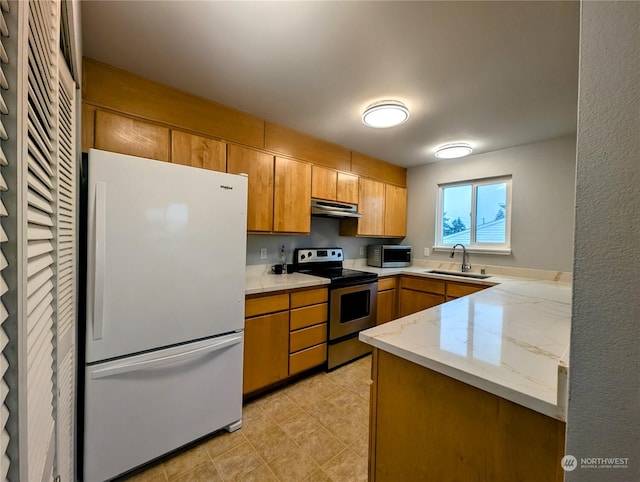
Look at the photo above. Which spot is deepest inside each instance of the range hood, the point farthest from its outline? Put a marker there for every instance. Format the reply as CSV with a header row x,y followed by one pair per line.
x,y
331,209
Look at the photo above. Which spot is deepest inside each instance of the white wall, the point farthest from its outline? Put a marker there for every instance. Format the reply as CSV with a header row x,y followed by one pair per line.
x,y
604,372
542,198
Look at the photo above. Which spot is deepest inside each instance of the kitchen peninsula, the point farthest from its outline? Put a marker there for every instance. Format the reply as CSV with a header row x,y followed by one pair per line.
x,y
473,386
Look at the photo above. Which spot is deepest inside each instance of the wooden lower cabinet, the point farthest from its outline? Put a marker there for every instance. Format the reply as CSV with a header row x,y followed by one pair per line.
x,y
457,290
308,325
429,427
266,350
387,300
285,334
417,294
307,358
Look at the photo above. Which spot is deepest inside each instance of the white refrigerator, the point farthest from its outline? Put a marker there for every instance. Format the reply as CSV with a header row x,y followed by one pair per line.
x,y
165,276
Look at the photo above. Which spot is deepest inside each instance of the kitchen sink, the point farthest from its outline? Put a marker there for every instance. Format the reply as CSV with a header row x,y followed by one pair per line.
x,y
458,273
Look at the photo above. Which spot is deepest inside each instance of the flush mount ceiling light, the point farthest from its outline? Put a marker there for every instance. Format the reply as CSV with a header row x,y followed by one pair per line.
x,y
386,113
451,151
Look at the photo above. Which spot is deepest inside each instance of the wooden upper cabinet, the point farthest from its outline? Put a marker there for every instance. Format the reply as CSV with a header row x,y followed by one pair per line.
x,y
347,189
371,205
292,196
395,211
324,183
88,127
259,167
333,185
196,151
364,165
125,135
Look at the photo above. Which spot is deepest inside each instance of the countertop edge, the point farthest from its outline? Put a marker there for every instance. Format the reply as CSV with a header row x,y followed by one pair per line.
x,y
549,409
270,283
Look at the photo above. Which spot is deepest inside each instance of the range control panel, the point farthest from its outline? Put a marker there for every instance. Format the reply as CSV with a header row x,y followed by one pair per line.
x,y
318,255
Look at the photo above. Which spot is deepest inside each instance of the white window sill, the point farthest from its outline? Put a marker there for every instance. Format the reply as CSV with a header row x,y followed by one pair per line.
x,y
478,250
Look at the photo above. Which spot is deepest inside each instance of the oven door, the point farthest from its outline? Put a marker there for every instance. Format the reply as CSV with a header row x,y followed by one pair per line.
x,y
353,308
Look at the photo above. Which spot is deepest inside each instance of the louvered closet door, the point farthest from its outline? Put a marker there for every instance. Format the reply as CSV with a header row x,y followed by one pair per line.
x,y
66,296
4,365
40,237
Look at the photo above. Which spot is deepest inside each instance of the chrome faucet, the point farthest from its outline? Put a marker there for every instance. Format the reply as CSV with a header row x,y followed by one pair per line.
x,y
465,257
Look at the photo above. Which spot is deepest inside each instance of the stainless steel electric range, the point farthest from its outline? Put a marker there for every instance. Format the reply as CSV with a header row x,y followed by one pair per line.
x,y
352,301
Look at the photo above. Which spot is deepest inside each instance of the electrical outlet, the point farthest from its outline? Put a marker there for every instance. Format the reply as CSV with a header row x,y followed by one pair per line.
x,y
263,253
361,250
427,251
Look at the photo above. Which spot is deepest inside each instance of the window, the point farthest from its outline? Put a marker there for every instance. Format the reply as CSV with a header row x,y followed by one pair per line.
x,y
476,214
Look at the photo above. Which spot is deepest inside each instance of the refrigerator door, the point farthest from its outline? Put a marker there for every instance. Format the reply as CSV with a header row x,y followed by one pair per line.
x,y
141,407
166,249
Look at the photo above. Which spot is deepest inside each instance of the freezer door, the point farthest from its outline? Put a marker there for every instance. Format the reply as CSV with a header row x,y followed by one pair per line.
x,y
166,252
142,407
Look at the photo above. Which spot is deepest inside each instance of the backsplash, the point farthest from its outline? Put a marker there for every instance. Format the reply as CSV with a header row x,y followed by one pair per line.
x,y
324,233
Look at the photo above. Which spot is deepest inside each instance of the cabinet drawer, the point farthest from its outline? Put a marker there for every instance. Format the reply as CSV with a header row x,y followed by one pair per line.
x,y
386,283
456,290
308,316
266,304
412,301
307,337
309,358
309,297
423,284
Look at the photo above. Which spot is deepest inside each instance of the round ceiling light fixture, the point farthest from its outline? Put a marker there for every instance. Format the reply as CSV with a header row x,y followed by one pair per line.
x,y
386,113
452,151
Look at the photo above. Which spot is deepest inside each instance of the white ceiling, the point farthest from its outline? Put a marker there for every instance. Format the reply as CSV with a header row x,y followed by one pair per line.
x,y
494,74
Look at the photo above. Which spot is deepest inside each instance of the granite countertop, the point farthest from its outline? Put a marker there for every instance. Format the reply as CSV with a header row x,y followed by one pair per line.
x,y
510,340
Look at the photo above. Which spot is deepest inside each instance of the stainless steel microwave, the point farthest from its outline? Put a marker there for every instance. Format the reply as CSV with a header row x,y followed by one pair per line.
x,y
388,255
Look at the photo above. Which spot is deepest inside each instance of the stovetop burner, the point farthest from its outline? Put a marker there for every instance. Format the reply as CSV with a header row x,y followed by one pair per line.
x,y
327,263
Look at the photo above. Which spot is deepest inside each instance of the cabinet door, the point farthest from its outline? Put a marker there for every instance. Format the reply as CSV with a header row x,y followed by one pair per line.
x,y
386,306
292,196
323,183
88,126
414,301
347,189
197,151
266,350
395,211
259,167
371,206
125,135
456,290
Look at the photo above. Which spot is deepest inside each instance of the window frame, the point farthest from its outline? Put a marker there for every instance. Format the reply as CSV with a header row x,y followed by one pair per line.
x,y
493,248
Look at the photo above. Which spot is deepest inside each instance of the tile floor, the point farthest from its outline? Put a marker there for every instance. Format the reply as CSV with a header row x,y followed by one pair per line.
x,y
313,430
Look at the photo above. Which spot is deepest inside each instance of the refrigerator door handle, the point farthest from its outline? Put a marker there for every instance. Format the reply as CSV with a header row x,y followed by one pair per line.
x,y
100,255
165,360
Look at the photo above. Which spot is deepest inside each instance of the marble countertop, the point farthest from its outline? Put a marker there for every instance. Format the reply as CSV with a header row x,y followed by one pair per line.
x,y
510,340
259,279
